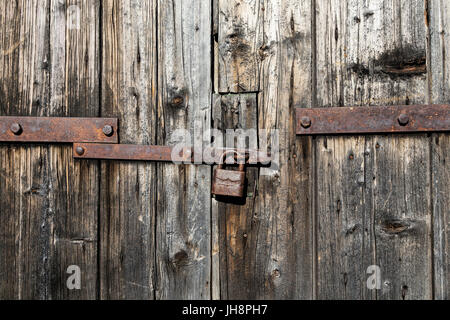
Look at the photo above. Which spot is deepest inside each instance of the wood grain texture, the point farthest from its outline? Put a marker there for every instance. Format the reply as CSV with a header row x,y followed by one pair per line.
x,y
74,88
336,206
373,193
237,230
183,227
279,223
284,256
49,218
128,193
240,31
439,62
25,247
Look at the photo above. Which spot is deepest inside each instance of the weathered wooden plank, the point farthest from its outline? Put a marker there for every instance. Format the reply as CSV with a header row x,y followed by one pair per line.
x,y
373,204
343,237
22,23
216,208
49,216
240,41
284,259
24,209
128,193
267,45
439,23
215,35
183,230
237,232
74,88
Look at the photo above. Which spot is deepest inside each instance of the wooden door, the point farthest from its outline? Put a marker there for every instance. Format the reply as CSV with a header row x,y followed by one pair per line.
x,y
337,207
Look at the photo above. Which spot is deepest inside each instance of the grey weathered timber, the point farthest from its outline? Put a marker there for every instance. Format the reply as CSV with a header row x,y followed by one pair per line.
x,y
373,193
237,231
128,190
439,61
49,209
240,32
310,230
183,222
266,46
285,251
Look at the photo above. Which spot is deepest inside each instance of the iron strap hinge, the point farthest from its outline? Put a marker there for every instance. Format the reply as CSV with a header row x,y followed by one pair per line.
x,y
372,120
58,130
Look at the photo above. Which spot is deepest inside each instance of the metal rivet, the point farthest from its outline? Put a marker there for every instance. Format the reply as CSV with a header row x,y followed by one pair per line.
x,y
108,131
306,122
16,129
79,151
403,119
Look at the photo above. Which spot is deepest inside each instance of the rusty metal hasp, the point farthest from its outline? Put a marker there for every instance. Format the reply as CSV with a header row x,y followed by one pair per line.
x,y
128,152
58,130
125,152
226,183
371,120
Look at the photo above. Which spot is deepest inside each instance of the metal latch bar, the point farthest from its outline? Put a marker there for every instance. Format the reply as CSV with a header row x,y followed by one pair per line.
x,y
371,120
124,152
129,152
58,130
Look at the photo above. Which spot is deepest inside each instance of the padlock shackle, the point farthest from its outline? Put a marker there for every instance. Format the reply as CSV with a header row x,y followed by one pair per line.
x,y
224,157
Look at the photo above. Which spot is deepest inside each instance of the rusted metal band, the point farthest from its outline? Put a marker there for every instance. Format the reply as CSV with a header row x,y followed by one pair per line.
x,y
58,130
156,153
126,152
371,120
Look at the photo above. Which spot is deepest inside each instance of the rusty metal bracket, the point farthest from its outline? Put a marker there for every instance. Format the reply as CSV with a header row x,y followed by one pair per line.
x,y
125,152
58,130
128,152
225,182
372,120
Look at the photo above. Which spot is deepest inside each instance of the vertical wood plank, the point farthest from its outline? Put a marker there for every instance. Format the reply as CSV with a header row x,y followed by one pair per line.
x,y
23,169
276,62
373,202
183,234
237,230
74,88
343,234
240,38
439,22
49,216
128,193
284,261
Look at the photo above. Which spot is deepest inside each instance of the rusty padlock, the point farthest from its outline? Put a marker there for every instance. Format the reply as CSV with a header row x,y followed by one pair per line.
x,y
229,183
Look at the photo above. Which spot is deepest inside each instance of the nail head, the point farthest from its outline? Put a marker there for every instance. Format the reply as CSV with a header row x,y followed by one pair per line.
x,y
108,131
79,151
306,122
16,129
403,119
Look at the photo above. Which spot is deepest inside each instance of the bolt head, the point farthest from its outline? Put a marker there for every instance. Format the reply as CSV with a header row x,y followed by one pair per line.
x,y
79,151
306,122
16,129
108,131
403,119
